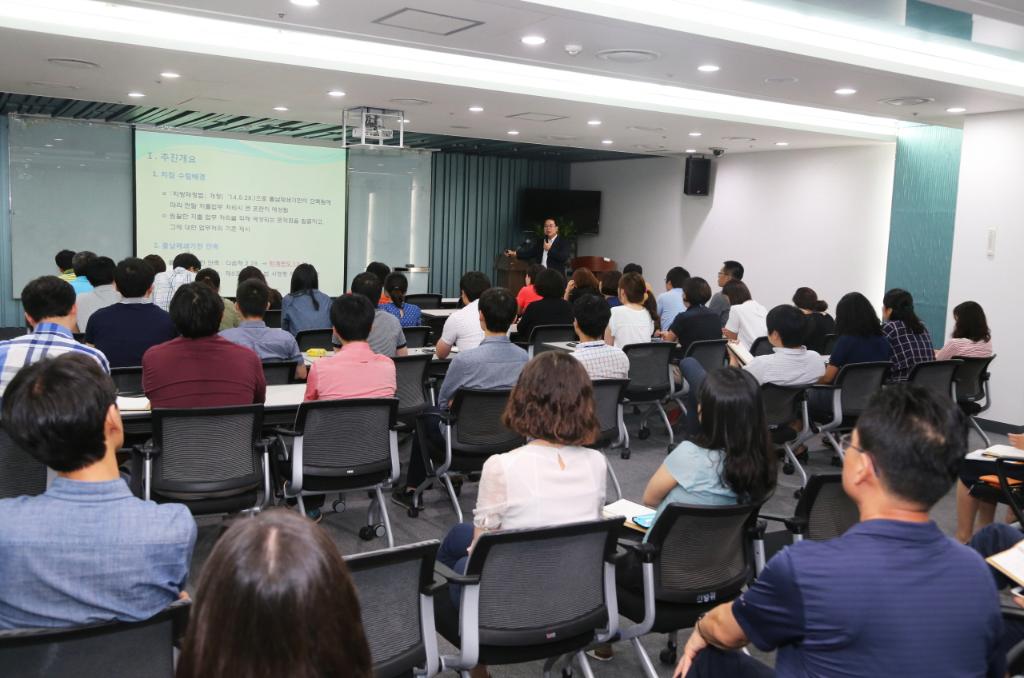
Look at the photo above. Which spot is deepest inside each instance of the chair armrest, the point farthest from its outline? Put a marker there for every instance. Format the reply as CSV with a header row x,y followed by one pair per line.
x,y
453,577
1012,612
437,585
793,523
145,449
282,431
821,387
646,552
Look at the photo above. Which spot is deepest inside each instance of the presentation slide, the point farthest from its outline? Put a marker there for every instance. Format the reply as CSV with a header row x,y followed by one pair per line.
x,y
236,203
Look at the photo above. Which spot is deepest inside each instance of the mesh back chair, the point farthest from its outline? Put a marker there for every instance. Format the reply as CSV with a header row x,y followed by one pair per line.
x,y
710,353
106,650
128,380
277,373
851,391
650,382
79,337
608,395
972,394
411,375
761,346
308,339
20,473
12,332
830,343
695,557
783,405
936,376
273,318
416,337
824,511
396,599
431,301
473,432
341,446
543,334
532,594
210,459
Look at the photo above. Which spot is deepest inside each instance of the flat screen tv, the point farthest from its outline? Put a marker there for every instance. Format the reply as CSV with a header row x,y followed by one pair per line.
x,y
583,208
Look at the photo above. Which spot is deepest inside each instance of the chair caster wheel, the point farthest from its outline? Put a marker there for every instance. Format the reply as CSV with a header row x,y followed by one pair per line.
x,y
379,531
643,434
413,512
338,505
625,454
788,469
366,532
667,656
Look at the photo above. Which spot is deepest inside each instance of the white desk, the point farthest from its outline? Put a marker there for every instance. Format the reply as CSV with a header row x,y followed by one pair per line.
x,y
429,350
278,396
566,346
439,312
450,300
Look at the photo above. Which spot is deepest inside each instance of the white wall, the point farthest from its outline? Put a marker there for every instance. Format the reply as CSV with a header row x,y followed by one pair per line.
x,y
990,196
818,218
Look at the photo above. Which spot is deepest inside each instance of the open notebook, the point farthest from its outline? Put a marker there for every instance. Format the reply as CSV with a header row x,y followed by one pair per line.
x,y
638,517
1010,562
741,353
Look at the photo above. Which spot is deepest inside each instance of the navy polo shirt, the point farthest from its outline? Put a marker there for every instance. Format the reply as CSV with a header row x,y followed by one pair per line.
x,y
888,598
125,330
697,323
851,348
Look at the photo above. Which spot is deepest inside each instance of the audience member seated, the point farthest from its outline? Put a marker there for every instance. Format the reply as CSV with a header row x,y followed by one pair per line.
x,y
670,302
49,304
495,363
697,322
582,282
859,336
971,336
85,551
382,271
639,270
386,336
156,262
989,541
396,286
731,270
600,360
970,508
462,329
183,271
632,322
63,259
610,287
528,292
909,601
101,276
746,317
127,329
790,363
305,307
821,324
80,264
271,344
253,273
553,479
552,309
200,368
275,599
908,338
230,319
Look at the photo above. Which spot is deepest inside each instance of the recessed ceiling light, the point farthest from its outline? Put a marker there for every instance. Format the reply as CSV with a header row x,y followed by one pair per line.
x,y
476,109
335,93
691,150
695,134
282,109
846,91
782,143
513,132
406,121
48,145
136,95
607,141
593,123
305,3
533,40
708,68
628,56
58,139
956,109
170,75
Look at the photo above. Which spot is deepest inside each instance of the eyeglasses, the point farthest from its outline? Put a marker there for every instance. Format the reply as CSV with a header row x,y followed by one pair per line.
x,y
846,444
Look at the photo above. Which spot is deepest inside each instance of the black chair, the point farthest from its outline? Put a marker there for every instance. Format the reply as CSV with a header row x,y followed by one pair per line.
x,y
20,473
272,318
783,405
532,594
543,334
761,346
851,391
830,343
128,380
212,460
411,376
710,353
608,394
277,373
308,339
473,432
106,650
342,446
972,394
824,511
695,558
650,382
12,332
79,336
396,590
429,301
416,337
936,376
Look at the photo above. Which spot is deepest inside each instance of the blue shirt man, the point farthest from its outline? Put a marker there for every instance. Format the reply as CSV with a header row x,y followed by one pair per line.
x,y
270,343
670,302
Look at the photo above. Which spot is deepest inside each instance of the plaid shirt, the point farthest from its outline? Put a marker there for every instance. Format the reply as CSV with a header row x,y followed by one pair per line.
x,y
602,361
167,283
48,341
907,349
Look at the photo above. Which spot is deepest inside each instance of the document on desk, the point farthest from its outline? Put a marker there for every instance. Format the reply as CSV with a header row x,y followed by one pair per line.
x,y
130,404
741,353
1003,452
1010,562
631,511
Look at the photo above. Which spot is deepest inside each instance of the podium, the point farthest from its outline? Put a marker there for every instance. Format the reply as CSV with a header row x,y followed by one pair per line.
x,y
595,264
511,273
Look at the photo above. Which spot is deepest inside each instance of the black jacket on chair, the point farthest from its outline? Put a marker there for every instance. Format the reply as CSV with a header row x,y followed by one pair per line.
x,y
558,255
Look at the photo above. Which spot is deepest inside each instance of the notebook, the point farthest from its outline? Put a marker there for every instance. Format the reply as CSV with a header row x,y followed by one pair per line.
x,y
1003,452
638,517
742,354
1010,562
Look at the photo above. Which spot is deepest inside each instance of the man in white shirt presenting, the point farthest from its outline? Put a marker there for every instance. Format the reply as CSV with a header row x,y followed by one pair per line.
x,y
462,328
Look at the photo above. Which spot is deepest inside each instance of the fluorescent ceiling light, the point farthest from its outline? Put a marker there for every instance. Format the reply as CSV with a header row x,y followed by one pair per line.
x,y
782,143
607,142
956,109
335,93
58,139
896,49
846,91
533,40
695,134
691,150
282,109
593,123
406,121
136,95
476,109
708,68
305,3
514,132
170,75
157,29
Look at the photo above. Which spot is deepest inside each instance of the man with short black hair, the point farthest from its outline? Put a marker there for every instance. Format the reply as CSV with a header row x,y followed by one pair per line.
x,y
462,328
50,310
101,276
670,302
80,263
382,271
201,368
600,360
230,319
126,330
731,270
790,364
271,344
86,550
386,336
63,260
893,596
183,271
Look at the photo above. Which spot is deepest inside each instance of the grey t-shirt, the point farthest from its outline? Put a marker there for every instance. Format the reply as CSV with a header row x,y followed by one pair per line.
x,y
720,304
386,335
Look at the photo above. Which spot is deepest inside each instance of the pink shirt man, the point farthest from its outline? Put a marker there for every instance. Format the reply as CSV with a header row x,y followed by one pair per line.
x,y
355,371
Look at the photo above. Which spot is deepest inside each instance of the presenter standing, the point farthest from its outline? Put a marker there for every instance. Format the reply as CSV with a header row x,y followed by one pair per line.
x,y
553,252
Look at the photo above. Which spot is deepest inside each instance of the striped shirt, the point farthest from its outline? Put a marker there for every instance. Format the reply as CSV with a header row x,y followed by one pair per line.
x,y
965,348
49,340
167,283
602,361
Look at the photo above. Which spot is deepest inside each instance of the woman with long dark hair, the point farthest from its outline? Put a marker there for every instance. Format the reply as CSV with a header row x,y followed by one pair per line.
x,y
820,323
971,336
909,339
275,599
305,307
396,286
582,282
860,338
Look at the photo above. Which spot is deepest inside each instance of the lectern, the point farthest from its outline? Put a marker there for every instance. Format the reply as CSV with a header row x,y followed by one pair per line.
x,y
511,273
